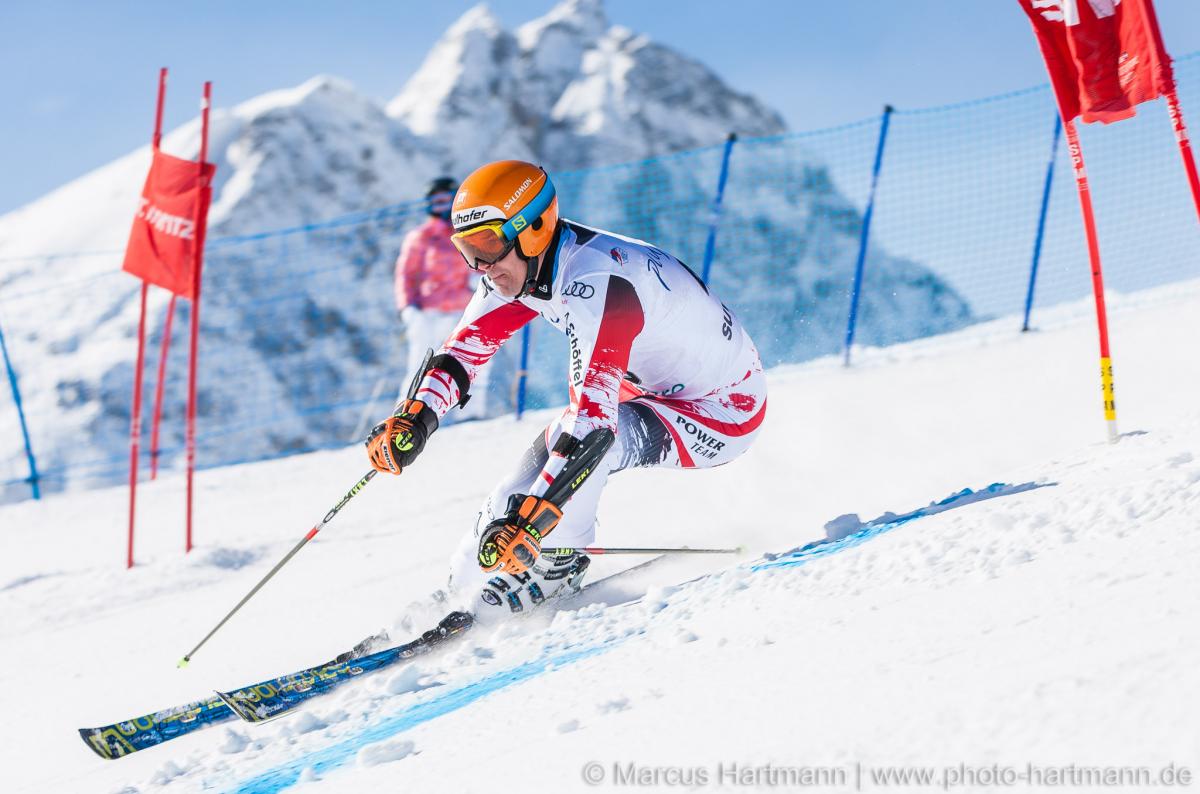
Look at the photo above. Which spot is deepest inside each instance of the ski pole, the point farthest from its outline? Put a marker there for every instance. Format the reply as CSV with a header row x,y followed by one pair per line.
x,y
561,552
312,533
358,486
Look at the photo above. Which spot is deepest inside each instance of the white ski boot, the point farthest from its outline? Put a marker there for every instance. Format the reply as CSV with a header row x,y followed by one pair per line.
x,y
550,577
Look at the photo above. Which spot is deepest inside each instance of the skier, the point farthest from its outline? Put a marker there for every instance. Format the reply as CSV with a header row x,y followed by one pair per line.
x,y
431,286
661,373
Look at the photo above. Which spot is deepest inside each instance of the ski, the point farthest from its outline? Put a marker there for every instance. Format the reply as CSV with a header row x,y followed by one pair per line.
x,y
122,738
277,696
129,736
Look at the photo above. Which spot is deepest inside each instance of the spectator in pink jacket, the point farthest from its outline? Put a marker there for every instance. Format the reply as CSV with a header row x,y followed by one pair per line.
x,y
433,287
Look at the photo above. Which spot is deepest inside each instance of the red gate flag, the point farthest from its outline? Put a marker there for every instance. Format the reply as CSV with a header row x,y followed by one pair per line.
x,y
1104,56
169,223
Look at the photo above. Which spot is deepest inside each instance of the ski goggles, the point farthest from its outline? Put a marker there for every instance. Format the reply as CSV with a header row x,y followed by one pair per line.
x,y
483,244
491,241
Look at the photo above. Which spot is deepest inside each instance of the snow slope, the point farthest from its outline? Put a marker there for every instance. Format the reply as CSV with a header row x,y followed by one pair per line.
x,y
1051,624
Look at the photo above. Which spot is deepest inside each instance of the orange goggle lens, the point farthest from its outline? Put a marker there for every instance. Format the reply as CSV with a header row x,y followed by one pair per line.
x,y
483,244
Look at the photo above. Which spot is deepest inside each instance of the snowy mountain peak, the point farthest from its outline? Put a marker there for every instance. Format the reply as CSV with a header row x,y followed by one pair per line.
x,y
322,87
321,143
569,90
582,18
463,78
477,17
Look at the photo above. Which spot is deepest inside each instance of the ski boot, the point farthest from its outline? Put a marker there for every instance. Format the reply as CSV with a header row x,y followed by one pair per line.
x,y
578,570
551,576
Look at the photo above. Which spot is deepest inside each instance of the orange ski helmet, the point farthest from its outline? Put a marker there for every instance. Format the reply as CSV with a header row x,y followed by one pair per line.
x,y
502,205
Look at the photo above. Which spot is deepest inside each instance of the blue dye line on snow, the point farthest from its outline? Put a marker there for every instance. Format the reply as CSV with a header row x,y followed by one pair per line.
x,y
336,755
888,522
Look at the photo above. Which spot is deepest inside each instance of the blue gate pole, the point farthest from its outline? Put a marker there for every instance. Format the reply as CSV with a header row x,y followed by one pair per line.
x,y
1041,227
16,392
866,233
522,372
710,246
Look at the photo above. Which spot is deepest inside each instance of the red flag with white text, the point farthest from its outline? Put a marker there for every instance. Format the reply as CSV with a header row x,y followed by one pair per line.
x,y
1104,56
169,223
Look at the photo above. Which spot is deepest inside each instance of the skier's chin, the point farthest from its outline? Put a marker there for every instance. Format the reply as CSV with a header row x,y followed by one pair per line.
x,y
503,285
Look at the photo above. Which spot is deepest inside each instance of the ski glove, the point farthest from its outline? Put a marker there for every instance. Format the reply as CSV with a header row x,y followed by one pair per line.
x,y
396,442
515,541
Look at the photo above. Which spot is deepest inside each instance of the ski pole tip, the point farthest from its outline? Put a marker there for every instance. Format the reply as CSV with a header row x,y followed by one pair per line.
x,y
183,663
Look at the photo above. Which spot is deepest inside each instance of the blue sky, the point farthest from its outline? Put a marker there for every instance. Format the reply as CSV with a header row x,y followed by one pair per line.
x,y
80,77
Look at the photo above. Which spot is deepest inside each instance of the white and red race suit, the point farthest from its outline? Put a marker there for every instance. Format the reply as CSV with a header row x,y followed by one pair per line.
x,y
653,356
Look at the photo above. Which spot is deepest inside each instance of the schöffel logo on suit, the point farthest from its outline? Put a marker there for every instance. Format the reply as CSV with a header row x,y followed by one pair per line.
x,y
579,290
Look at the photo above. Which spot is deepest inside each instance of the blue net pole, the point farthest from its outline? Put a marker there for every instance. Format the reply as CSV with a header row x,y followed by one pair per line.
x,y
866,233
710,245
16,393
1041,227
521,373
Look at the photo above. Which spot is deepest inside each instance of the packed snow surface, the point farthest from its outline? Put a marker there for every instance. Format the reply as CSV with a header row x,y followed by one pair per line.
x,y
1049,621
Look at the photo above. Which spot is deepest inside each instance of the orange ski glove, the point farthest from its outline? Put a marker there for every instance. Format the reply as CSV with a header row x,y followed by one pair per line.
x,y
515,541
397,441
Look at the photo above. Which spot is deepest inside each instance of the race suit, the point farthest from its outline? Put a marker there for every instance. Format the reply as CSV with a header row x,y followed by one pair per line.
x,y
653,356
